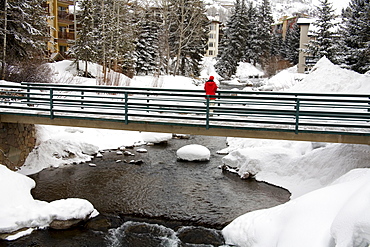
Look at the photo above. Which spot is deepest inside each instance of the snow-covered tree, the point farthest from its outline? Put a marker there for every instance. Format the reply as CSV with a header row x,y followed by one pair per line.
x,y
107,35
147,45
232,45
265,20
252,34
291,44
84,48
355,32
23,32
324,35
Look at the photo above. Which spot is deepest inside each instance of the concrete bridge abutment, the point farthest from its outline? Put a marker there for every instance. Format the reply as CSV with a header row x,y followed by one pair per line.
x,y
17,140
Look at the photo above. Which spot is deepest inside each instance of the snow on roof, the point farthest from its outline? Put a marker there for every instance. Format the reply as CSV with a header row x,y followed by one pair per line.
x,y
305,21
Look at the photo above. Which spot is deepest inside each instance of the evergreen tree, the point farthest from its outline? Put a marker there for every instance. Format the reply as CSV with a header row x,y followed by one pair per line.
x,y
147,45
355,36
264,38
232,45
278,46
107,36
84,48
23,30
252,35
323,43
291,44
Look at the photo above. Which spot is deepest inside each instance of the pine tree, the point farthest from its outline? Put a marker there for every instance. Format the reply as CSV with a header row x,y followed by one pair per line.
x,y
107,36
263,46
355,36
323,43
24,31
84,48
252,35
232,45
147,46
291,44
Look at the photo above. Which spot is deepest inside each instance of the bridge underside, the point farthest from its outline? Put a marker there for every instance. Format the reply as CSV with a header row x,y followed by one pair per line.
x,y
193,130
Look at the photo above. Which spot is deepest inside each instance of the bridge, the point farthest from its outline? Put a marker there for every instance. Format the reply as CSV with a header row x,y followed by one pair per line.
x,y
317,117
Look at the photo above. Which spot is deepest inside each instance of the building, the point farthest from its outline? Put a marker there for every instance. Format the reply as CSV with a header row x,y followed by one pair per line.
x,y
62,27
305,63
285,23
213,37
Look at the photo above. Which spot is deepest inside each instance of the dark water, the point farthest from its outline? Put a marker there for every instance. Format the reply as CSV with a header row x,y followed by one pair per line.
x,y
163,192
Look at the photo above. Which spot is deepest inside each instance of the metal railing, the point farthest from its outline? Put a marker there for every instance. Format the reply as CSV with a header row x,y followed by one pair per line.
x,y
347,114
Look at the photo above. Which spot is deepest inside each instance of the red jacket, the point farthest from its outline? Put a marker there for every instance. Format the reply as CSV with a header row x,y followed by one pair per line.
x,y
210,87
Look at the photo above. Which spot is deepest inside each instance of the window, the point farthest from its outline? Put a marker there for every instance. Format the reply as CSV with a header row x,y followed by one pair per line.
x,y
211,35
210,44
61,8
62,49
210,53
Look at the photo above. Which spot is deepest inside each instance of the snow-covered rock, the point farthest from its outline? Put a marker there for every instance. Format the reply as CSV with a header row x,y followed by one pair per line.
x,y
19,210
151,137
193,152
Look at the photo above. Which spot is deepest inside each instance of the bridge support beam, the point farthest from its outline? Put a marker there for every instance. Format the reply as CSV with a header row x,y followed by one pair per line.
x,y
178,129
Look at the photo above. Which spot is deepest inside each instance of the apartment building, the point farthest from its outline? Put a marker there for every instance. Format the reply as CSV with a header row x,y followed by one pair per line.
x,y
62,27
213,37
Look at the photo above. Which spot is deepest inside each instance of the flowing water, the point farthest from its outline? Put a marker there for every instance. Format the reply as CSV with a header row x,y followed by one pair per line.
x,y
161,202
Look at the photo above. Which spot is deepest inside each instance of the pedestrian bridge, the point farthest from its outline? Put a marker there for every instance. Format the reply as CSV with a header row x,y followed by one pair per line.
x,y
317,117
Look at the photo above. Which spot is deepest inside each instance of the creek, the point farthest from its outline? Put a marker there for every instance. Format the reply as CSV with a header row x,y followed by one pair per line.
x,y
161,202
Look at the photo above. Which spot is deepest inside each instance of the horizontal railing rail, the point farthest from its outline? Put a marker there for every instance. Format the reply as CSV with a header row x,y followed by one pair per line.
x,y
347,114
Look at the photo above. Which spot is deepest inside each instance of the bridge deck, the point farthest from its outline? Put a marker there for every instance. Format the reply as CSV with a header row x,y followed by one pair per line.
x,y
271,115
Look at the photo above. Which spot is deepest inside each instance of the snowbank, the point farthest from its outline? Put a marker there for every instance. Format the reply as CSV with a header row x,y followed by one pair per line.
x,y
300,167
246,70
19,210
58,146
335,214
283,80
326,77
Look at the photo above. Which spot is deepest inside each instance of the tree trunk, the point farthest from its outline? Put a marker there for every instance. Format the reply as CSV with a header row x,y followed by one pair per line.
x,y
4,40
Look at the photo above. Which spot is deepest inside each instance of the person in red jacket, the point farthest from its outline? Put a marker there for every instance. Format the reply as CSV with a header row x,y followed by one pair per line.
x,y
211,87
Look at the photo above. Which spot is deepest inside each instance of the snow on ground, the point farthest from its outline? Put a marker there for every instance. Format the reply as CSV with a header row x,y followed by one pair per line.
x,y
285,79
246,70
301,167
326,77
336,215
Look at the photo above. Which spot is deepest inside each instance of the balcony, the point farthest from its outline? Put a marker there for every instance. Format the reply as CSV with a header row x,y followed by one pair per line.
x,y
65,2
65,18
66,35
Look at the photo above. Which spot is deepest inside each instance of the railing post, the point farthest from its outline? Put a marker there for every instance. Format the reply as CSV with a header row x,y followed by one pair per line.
x,y
126,108
28,92
82,98
51,104
297,116
219,94
207,112
147,101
